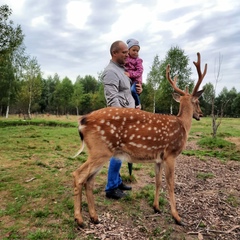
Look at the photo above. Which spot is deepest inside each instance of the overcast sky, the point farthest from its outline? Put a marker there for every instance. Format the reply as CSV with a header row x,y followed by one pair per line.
x,y
73,38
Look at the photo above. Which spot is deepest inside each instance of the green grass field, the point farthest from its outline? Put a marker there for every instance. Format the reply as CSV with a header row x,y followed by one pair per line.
x,y
36,184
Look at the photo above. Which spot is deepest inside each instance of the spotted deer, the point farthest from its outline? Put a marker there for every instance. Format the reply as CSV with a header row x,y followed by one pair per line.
x,y
136,136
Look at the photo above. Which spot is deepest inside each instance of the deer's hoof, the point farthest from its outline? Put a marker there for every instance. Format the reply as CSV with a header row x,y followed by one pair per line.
x,y
180,222
157,210
80,224
95,220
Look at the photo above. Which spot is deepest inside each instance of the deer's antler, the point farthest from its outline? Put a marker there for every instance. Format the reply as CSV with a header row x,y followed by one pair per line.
x,y
200,74
173,82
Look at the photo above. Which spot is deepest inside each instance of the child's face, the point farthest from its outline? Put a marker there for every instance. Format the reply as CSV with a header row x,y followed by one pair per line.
x,y
133,51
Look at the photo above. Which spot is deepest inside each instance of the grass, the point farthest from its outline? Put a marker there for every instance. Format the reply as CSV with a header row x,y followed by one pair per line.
x,y
228,127
42,207
204,176
215,147
36,183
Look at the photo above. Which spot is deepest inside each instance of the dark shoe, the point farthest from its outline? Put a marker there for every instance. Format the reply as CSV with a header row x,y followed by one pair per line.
x,y
115,194
122,186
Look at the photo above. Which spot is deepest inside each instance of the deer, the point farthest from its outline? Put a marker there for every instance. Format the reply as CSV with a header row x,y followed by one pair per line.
x,y
136,136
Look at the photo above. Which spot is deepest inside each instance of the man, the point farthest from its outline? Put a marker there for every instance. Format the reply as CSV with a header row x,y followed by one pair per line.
x,y
117,90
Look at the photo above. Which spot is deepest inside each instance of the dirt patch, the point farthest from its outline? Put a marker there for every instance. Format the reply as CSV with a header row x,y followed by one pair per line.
x,y
207,196
235,140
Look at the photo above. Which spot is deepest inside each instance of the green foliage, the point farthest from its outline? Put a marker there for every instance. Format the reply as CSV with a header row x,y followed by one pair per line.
x,y
179,66
12,57
41,213
8,123
233,200
31,87
215,143
10,37
204,176
148,193
162,90
215,147
39,234
147,98
207,98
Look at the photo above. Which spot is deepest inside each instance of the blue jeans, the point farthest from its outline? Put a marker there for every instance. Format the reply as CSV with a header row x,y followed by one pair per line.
x,y
114,179
135,94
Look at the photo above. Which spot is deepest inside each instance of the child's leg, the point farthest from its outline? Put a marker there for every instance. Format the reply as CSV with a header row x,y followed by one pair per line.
x,y
135,95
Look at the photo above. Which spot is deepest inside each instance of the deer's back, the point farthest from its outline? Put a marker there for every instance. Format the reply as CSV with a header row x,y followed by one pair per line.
x,y
140,134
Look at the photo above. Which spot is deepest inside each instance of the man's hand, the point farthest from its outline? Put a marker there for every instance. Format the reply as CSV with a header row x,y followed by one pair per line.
x,y
139,88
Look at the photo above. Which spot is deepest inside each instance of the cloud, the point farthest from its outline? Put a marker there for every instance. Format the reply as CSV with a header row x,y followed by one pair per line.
x,y
73,37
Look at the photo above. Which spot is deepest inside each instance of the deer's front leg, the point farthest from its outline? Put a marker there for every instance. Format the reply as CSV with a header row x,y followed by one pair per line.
x,y
158,183
169,171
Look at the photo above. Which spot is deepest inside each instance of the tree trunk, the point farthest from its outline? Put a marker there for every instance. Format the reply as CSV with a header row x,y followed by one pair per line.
x,y
7,111
29,107
77,111
154,102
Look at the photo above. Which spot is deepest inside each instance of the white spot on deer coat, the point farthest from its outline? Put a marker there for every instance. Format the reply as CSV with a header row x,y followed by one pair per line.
x,y
132,136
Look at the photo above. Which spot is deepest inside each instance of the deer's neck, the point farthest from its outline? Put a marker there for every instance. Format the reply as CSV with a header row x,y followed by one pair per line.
x,y
185,114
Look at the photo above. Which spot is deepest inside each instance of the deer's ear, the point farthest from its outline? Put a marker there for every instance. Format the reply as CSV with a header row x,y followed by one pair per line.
x,y
198,94
176,97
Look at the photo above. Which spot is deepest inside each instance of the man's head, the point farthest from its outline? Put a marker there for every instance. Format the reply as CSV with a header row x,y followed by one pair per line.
x,y
119,52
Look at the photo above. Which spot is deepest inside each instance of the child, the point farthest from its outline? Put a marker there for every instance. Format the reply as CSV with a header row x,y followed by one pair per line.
x,y
134,68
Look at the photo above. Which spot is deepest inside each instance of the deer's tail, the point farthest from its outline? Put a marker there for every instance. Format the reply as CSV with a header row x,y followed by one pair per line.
x,y
81,122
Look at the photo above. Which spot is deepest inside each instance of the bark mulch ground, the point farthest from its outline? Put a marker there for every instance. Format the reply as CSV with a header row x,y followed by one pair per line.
x,y
207,196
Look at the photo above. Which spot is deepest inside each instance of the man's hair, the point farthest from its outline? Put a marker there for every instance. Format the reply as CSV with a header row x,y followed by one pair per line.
x,y
115,47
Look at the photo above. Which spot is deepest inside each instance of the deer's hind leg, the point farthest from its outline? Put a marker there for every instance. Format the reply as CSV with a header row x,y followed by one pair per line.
x,y
85,175
89,192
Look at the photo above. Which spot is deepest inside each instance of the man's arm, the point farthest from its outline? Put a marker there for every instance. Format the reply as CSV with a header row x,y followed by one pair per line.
x,y
111,89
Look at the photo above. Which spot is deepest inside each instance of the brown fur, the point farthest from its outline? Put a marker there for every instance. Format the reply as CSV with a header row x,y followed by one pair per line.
x,y
135,136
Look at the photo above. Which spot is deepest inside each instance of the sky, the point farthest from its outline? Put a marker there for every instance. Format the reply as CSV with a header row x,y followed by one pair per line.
x,y
73,37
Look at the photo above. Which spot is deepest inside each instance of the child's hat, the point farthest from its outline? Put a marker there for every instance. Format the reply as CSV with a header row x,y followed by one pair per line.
x,y
132,42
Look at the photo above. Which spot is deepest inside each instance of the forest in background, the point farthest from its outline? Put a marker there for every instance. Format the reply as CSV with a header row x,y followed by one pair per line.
x,y
23,89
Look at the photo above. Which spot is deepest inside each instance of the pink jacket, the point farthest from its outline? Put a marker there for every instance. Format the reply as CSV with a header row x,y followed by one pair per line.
x,y
135,68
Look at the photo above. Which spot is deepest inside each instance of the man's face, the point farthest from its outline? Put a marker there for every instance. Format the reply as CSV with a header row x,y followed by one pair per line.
x,y
121,55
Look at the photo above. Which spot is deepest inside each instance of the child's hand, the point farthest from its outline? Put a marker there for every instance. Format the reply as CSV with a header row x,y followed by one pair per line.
x,y
139,88
139,107
127,73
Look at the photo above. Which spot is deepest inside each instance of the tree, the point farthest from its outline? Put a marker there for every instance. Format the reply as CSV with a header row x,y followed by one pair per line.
x,y
232,94
154,79
98,98
64,92
147,98
179,66
32,84
11,57
215,112
207,98
77,95
89,83
235,106
10,37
